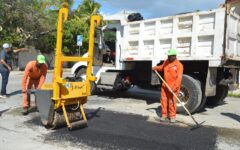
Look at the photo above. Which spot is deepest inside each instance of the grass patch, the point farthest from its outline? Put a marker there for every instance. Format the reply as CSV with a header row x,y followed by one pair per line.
x,y
231,94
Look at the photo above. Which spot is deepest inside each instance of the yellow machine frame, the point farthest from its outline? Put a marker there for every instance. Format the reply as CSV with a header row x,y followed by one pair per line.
x,y
68,93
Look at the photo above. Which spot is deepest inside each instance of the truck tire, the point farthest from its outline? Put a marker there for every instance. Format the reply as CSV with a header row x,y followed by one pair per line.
x,y
81,73
202,105
221,94
119,85
203,101
190,94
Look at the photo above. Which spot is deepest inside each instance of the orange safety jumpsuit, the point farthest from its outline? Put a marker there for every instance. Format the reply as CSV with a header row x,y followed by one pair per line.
x,y
33,76
173,76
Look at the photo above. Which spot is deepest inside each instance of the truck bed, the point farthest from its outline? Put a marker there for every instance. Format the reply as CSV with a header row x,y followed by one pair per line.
x,y
199,35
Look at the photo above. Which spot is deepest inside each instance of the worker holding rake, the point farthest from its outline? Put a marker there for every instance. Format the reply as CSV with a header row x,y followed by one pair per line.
x,y
173,71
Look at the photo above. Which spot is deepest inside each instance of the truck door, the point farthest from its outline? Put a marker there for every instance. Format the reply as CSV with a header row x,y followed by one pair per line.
x,y
98,48
109,52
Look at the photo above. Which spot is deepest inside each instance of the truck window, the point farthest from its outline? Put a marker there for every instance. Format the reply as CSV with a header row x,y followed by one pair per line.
x,y
109,54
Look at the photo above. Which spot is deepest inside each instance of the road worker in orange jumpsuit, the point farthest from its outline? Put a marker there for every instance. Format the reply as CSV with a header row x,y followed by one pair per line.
x,y
34,77
173,71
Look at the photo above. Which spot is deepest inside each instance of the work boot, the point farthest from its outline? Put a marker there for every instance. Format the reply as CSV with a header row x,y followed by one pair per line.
x,y
25,111
6,95
163,119
3,96
172,120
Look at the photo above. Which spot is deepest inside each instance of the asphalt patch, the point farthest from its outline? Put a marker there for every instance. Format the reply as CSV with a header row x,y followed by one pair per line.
x,y
110,130
34,121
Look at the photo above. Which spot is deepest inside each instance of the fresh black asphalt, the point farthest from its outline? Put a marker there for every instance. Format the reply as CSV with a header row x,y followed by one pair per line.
x,y
110,130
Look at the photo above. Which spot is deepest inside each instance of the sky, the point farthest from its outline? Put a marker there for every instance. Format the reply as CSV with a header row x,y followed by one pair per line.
x,y
155,8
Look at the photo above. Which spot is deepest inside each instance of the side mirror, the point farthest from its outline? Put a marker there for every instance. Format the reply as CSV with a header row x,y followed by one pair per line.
x,y
100,44
99,38
98,48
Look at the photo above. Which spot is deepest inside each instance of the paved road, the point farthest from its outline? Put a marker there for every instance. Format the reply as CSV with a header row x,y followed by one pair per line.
x,y
110,130
120,121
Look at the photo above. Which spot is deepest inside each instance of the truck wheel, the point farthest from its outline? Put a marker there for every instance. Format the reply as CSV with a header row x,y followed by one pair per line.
x,y
120,85
82,73
190,94
204,99
202,105
221,94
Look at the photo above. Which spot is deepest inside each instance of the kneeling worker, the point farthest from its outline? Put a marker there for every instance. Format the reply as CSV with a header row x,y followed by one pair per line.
x,y
34,77
173,71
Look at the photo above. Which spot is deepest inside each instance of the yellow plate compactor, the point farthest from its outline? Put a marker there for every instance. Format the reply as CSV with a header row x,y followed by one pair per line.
x,y
61,103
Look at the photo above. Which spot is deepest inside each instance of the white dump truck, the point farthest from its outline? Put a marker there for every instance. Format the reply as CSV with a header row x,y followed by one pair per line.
x,y
208,45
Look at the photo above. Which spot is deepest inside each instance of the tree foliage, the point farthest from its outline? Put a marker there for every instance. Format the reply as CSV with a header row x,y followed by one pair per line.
x,y
34,22
110,36
72,28
87,9
79,24
23,21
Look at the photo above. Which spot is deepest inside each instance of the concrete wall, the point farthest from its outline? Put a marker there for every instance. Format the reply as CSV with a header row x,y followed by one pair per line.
x,y
31,54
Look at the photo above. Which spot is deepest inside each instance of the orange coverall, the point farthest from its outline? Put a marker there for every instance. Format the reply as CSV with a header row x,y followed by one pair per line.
x,y
33,76
173,76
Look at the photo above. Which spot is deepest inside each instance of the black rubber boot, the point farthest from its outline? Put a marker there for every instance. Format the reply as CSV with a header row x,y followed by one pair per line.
x,y
25,111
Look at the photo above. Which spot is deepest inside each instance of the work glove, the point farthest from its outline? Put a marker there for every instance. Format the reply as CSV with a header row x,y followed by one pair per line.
x,y
154,68
31,91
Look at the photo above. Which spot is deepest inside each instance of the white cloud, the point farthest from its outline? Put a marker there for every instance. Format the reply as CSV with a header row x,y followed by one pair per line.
x,y
157,8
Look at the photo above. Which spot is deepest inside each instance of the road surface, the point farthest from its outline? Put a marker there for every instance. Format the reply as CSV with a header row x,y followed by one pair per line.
x,y
119,121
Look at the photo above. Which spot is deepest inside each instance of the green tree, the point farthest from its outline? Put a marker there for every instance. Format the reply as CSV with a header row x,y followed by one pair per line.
x,y
34,22
77,25
72,28
86,9
29,22
110,36
22,21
